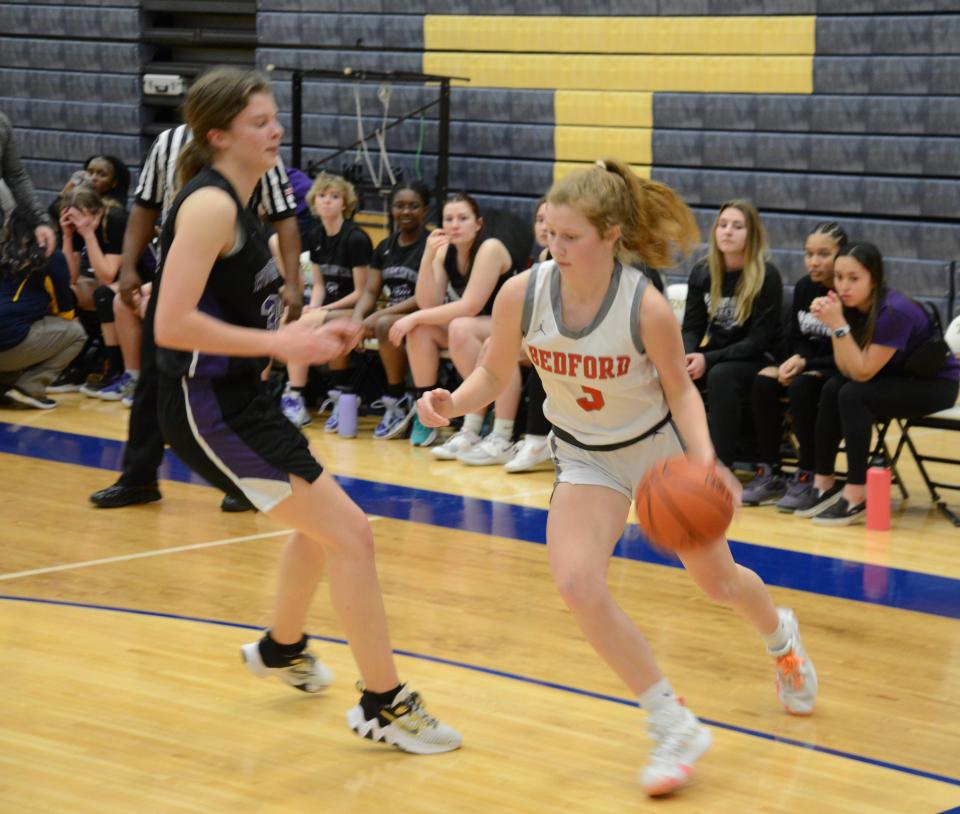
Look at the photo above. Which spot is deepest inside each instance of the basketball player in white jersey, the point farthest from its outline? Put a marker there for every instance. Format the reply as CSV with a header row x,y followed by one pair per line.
x,y
608,348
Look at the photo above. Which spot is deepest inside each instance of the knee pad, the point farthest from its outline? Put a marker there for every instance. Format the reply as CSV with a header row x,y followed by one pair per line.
x,y
103,304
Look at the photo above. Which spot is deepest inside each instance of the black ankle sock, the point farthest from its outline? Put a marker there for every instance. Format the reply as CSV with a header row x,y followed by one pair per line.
x,y
395,391
371,702
296,389
340,379
275,654
114,358
419,391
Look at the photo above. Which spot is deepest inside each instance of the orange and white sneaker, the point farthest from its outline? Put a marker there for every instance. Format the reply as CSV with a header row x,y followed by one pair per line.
x,y
796,675
679,741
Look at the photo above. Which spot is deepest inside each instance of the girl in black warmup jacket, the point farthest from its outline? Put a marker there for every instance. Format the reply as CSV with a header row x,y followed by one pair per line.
x,y
734,298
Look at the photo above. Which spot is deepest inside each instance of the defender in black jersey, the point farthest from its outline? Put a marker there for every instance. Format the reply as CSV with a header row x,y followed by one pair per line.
x,y
143,452
218,325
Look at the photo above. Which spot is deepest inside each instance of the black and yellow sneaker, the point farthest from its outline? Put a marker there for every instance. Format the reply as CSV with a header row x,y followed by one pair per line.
x,y
404,724
304,671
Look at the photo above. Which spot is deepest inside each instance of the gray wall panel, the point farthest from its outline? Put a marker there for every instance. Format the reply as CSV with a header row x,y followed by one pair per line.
x,y
89,116
340,30
60,85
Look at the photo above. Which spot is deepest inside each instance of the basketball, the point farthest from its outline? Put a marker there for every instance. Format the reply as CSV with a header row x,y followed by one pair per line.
x,y
682,504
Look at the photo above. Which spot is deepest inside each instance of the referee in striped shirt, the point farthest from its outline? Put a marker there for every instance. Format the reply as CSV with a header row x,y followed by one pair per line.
x,y
152,200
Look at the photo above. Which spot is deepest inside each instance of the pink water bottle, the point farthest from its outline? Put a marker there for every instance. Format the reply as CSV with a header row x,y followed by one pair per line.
x,y
878,498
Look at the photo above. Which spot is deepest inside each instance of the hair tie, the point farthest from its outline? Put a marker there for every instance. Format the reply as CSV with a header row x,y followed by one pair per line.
x,y
601,164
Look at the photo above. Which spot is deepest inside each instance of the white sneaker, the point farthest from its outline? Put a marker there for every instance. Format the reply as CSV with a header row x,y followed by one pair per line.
x,y
462,441
406,725
494,449
531,455
294,408
679,741
796,676
305,672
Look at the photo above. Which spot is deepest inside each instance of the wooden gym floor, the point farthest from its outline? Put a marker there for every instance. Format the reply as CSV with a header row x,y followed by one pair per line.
x,y
123,689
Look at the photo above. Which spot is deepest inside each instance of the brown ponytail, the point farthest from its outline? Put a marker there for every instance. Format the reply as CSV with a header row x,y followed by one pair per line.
x,y
655,224
213,102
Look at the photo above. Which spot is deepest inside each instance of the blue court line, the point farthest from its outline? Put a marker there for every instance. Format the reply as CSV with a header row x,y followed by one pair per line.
x,y
827,576
476,668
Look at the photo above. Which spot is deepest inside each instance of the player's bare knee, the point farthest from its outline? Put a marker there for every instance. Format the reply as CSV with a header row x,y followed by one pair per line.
x,y
356,534
723,592
460,332
580,591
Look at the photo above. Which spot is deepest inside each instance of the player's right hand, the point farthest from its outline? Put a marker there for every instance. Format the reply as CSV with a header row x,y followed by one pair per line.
x,y
436,240
732,482
311,344
435,408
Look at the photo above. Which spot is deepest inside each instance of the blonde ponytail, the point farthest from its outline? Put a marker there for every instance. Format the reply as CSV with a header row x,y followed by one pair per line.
x,y
659,223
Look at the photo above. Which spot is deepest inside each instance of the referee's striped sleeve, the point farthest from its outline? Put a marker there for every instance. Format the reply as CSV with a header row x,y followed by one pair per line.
x,y
276,193
151,186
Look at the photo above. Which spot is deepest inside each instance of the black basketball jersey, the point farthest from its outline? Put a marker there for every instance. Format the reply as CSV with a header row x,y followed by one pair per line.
x,y
242,289
399,265
457,282
338,255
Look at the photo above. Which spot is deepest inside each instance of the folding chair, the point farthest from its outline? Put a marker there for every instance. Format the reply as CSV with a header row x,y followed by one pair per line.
x,y
948,419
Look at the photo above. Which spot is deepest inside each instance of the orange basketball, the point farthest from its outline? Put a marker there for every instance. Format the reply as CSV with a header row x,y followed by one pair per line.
x,y
682,504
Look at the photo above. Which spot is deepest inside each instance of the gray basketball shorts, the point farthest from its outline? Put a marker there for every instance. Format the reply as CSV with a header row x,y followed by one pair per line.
x,y
619,469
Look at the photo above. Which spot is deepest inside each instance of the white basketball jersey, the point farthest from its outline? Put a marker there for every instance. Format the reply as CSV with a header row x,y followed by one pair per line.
x,y
601,387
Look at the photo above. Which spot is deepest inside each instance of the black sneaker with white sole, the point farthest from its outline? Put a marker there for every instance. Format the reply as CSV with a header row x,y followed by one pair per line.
x,y
842,513
818,501
70,380
21,396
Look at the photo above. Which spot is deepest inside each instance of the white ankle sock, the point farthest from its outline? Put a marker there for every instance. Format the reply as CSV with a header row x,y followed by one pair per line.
x,y
473,422
658,697
778,641
503,427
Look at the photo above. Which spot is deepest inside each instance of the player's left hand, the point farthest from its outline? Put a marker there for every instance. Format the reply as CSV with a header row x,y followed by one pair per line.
x,y
401,328
696,365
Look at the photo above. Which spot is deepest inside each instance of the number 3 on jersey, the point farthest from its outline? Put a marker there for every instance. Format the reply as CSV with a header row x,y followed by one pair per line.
x,y
593,400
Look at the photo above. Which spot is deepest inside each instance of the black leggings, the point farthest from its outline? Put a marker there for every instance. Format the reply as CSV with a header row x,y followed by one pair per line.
x,y
728,387
848,409
804,396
